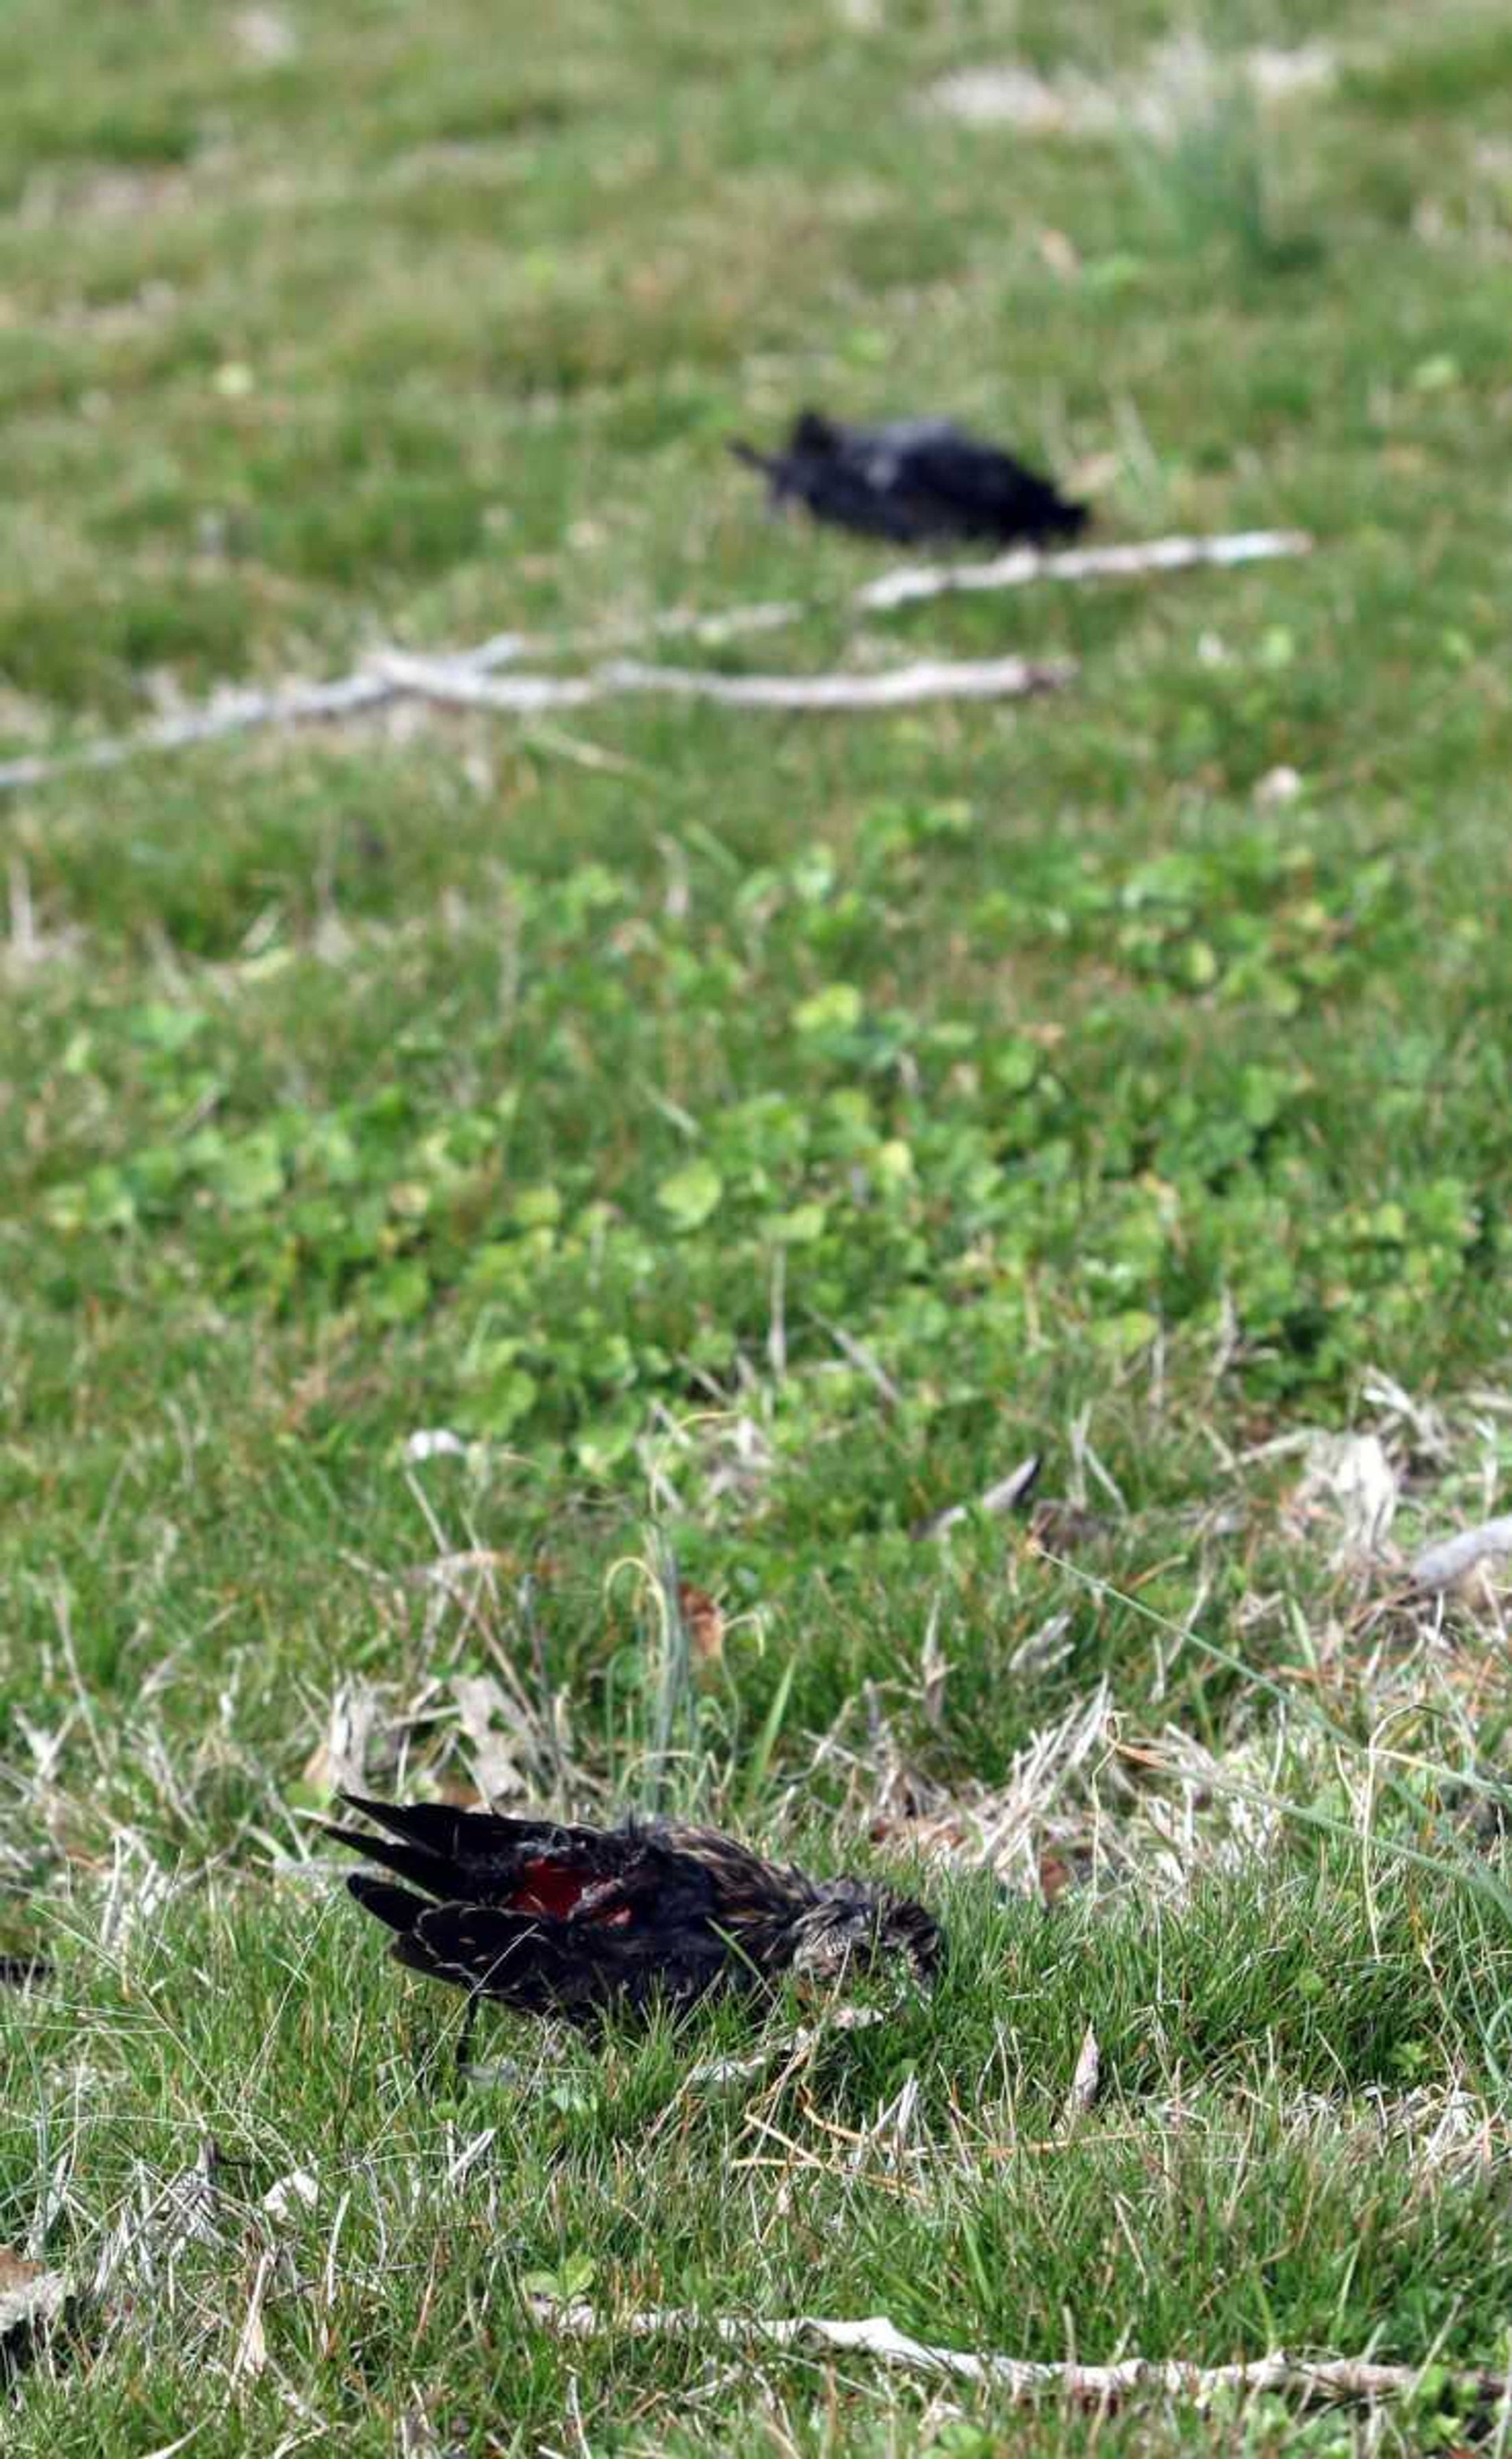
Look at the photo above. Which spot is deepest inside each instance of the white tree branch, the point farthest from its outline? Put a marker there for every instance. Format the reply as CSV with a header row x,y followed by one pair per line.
x,y
1443,1565
874,2336
389,677
450,682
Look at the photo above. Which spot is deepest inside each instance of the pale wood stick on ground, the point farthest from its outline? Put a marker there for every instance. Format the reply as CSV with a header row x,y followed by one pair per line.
x,y
902,688
873,2335
377,684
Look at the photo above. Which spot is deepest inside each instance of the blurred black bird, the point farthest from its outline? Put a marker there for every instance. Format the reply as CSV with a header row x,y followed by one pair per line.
x,y
915,480
20,1971
572,1920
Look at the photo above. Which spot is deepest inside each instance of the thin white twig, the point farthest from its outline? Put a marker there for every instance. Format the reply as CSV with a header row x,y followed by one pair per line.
x,y
874,2336
908,585
233,712
380,683
450,682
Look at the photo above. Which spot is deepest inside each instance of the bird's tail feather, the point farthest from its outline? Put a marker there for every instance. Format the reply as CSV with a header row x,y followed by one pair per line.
x,y
395,1906
424,1868
436,1844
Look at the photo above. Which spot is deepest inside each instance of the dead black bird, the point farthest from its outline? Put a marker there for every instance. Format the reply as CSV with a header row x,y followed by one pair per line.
x,y
21,1972
915,480
572,1920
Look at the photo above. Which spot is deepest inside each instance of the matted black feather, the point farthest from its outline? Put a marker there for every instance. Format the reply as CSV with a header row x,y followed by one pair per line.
x,y
568,1921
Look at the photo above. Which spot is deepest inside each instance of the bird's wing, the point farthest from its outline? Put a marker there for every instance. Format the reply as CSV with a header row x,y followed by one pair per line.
x,y
542,1965
479,1855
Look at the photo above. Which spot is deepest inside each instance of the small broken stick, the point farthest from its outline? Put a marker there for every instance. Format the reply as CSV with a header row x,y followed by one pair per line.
x,y
1448,1565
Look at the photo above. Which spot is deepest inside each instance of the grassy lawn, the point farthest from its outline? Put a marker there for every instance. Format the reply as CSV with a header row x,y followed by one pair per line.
x,y
746,1135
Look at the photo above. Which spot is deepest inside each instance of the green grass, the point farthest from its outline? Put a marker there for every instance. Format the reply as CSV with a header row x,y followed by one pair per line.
x,y
749,1136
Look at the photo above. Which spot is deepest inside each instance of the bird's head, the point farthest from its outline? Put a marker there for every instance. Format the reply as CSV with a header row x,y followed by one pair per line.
x,y
849,1924
813,436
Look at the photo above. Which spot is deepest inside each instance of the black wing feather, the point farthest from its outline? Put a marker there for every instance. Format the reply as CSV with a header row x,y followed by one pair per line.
x,y
463,1836
395,1906
457,1853
432,1871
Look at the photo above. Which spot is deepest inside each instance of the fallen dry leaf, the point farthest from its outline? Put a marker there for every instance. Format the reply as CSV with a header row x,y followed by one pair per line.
x,y
299,2191
1277,788
433,1442
705,1624
494,1728
251,2351
450,1571
1059,253
339,1761
1084,2082
29,2294
1348,1479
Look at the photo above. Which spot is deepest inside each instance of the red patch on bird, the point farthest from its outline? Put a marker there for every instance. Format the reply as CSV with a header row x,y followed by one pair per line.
x,y
548,1888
